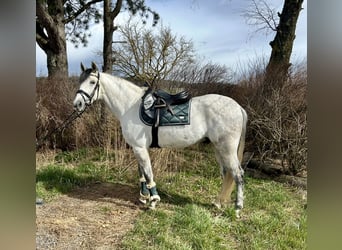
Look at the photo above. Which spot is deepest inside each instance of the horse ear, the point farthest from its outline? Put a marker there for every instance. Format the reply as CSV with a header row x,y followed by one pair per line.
x,y
82,67
93,66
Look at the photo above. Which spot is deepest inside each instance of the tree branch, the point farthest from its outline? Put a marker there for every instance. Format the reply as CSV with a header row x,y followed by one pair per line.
x,y
117,9
43,17
80,11
41,38
262,15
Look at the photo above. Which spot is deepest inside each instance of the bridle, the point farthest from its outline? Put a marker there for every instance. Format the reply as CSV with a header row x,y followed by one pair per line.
x,y
85,95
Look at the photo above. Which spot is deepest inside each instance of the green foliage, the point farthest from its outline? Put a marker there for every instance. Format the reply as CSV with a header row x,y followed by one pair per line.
x,y
59,178
138,6
77,24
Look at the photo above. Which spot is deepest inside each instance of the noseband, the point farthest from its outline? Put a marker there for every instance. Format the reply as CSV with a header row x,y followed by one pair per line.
x,y
90,97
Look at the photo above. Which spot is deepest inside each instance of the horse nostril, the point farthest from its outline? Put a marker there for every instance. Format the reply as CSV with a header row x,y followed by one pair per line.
x,y
77,105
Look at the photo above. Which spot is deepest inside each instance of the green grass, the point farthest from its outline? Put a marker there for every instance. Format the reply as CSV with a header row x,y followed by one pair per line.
x,y
274,215
70,170
57,179
273,218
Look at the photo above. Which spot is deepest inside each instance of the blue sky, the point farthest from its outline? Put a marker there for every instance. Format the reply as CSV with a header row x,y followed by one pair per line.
x,y
217,28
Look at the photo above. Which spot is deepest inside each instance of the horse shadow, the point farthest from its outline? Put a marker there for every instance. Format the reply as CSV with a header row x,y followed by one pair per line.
x,y
94,189
173,198
126,195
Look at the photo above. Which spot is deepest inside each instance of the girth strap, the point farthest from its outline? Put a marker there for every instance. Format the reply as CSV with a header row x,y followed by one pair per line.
x,y
155,142
155,126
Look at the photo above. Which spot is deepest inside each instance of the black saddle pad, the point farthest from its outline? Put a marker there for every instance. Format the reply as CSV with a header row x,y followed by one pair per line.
x,y
180,116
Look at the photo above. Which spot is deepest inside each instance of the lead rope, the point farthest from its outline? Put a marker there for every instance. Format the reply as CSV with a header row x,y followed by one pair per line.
x,y
73,116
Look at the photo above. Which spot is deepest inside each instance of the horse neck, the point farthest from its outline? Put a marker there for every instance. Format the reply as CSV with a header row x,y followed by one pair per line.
x,y
119,94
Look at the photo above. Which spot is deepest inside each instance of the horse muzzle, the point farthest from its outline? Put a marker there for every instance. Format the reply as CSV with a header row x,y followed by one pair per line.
x,y
79,104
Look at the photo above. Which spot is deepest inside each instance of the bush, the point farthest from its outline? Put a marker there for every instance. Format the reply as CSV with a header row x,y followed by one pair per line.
x,y
277,128
54,104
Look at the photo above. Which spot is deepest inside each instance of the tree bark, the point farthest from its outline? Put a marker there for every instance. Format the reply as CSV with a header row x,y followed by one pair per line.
x,y
279,63
109,16
109,28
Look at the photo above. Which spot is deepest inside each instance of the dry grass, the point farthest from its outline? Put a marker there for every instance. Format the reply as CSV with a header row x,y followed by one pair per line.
x,y
277,127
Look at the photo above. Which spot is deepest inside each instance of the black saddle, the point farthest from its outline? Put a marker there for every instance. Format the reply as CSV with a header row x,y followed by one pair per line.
x,y
172,99
160,108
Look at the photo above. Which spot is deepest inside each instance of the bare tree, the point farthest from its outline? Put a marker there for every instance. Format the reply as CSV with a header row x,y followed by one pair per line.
x,y
284,24
282,44
261,15
199,72
110,13
150,56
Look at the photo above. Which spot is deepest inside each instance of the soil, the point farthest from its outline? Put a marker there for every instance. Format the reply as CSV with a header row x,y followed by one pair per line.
x,y
93,217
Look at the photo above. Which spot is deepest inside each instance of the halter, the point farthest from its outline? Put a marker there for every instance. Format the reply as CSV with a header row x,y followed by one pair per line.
x,y
86,95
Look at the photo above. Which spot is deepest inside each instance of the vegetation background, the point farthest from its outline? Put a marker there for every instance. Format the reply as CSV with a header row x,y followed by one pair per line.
x,y
89,165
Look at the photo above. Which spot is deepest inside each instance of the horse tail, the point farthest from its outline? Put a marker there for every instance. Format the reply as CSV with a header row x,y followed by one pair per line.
x,y
243,135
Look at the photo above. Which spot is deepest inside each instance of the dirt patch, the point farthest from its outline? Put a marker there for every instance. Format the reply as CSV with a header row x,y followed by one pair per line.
x,y
94,217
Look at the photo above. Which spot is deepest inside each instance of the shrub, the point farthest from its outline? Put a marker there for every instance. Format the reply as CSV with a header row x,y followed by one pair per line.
x,y
277,128
54,104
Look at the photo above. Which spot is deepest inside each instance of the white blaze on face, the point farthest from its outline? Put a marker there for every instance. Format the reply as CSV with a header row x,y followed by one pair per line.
x,y
79,103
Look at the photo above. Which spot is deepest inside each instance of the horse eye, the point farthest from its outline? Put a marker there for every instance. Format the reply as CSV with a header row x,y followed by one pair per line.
x,y
92,82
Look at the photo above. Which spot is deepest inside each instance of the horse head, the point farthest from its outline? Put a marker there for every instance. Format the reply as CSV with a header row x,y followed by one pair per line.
x,y
89,87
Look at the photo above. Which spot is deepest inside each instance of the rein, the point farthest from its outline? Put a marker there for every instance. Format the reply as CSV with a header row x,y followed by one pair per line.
x,y
75,114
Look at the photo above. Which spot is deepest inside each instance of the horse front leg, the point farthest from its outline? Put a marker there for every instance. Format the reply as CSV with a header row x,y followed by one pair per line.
x,y
148,188
144,192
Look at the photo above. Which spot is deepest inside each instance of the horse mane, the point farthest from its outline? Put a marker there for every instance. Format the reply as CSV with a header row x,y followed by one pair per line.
x,y
118,80
121,81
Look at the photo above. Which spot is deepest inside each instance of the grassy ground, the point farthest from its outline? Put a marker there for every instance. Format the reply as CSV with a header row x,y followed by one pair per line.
x,y
274,216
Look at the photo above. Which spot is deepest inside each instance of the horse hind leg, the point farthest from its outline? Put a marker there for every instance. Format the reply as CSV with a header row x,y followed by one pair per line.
x,y
231,169
224,197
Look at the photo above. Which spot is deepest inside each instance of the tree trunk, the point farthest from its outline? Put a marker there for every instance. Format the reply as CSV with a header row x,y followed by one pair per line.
x,y
57,64
57,61
107,37
50,36
109,28
279,63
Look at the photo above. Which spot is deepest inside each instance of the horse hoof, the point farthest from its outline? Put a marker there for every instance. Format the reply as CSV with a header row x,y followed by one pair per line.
x,y
142,201
144,198
237,213
217,204
155,198
153,201
153,205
